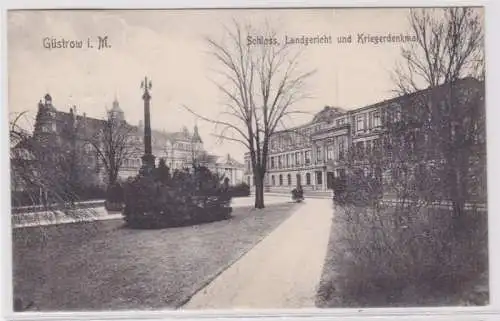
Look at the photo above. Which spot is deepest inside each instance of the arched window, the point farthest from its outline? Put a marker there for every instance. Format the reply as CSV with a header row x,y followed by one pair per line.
x,y
289,179
281,180
299,181
308,178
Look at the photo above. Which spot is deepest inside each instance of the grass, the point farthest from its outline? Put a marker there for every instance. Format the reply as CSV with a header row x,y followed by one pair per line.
x,y
104,266
371,263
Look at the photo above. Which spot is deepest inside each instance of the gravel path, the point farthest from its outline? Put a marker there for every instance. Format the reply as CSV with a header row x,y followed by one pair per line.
x,y
282,271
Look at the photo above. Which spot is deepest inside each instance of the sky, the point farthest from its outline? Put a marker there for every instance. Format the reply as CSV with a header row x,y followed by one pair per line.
x,y
169,47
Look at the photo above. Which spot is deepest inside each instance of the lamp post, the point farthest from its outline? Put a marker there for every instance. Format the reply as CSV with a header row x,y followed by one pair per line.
x,y
148,160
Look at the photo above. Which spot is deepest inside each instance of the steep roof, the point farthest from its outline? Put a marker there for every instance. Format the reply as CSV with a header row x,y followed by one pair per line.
x,y
229,161
328,113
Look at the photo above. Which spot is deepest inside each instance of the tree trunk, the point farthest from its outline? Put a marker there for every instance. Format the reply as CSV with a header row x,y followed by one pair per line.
x,y
259,191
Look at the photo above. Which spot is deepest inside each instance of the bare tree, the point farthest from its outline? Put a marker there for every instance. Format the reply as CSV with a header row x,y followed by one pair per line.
x,y
114,144
449,47
44,169
40,190
261,84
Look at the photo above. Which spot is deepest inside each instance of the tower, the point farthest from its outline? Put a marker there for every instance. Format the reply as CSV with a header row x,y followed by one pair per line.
x,y
116,113
45,118
196,140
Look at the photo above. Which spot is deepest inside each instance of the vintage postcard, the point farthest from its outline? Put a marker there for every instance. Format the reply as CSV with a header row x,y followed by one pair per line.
x,y
199,159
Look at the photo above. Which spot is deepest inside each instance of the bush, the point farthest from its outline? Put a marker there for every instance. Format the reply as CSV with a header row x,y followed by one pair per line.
x,y
357,190
184,198
114,198
379,262
240,190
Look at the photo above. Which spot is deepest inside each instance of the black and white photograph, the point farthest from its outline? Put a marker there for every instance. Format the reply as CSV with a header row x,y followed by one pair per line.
x,y
247,159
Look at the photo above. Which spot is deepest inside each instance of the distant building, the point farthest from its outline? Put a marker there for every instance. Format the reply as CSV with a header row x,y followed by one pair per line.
x,y
316,152
69,131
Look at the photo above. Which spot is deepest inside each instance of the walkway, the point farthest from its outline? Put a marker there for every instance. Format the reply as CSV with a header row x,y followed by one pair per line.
x,y
282,271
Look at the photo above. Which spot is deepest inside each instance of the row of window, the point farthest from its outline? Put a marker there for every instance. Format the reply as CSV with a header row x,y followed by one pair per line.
x,y
132,162
278,180
298,179
290,160
334,151
294,138
368,121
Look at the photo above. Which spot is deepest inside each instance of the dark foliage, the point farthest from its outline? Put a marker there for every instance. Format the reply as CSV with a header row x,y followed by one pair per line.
x,y
375,261
114,198
240,190
182,198
297,193
357,189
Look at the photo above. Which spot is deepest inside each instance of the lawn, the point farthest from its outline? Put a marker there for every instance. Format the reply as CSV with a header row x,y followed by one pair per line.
x,y
105,266
370,263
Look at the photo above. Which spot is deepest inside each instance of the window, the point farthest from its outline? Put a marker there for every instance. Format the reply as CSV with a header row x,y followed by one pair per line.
x,y
280,161
308,157
289,179
248,180
308,178
341,149
340,122
397,113
281,180
299,181
297,158
376,119
329,152
319,153
360,122
376,144
273,181
359,149
272,162
319,178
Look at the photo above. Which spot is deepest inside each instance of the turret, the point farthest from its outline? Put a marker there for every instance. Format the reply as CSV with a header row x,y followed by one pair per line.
x,y
116,112
45,122
196,135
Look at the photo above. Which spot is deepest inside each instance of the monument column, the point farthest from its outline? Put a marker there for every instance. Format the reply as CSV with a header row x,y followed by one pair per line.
x,y
148,160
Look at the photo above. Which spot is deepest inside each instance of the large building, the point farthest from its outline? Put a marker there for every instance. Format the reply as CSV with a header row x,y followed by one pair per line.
x,y
316,152
70,131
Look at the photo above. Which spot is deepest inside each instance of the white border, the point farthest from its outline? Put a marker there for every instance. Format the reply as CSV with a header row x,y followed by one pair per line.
x,y
491,312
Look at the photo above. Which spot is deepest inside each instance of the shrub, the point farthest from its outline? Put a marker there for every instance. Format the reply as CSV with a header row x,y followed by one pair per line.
x,y
184,198
114,198
357,189
240,190
379,262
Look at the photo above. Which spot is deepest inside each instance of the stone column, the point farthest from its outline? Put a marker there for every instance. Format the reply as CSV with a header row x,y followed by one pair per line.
x,y
148,160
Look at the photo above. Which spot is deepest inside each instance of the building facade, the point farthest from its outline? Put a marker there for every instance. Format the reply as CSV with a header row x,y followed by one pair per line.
x,y
313,154
70,131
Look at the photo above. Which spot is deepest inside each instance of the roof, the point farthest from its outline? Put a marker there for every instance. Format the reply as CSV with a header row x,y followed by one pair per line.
x,y
459,82
328,113
229,161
